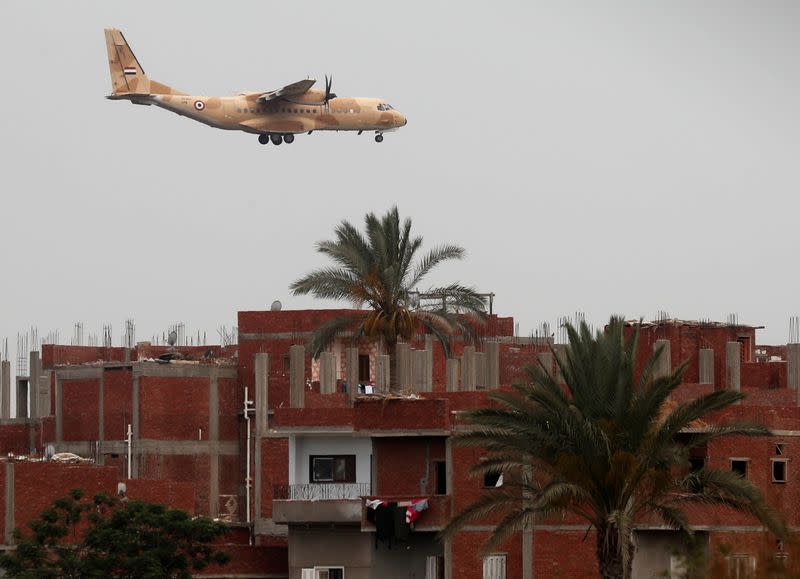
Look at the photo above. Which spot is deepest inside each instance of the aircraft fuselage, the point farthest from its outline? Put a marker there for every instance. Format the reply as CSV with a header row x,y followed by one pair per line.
x,y
285,116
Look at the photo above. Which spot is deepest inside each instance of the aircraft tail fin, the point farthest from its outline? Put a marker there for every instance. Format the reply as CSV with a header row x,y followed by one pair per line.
x,y
127,75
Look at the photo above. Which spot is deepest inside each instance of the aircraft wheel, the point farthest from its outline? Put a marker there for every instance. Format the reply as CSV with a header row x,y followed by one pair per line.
x,y
378,138
288,139
276,139
263,138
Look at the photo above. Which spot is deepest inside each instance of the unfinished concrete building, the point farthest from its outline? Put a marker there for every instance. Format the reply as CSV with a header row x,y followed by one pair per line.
x,y
309,468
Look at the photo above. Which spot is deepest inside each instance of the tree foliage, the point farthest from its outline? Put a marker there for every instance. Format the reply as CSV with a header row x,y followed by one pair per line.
x,y
105,536
609,447
381,269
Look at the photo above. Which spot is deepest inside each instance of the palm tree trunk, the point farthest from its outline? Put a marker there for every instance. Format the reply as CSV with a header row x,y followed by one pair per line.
x,y
609,555
391,350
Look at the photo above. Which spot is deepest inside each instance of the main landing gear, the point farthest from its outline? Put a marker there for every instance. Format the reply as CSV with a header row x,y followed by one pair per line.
x,y
275,138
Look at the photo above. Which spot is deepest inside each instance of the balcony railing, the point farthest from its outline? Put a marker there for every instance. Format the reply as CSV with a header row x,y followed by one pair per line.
x,y
321,491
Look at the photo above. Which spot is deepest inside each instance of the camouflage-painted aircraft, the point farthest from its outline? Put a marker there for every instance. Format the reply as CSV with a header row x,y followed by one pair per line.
x,y
275,116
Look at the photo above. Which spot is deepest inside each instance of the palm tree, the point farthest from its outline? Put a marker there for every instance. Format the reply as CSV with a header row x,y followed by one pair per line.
x,y
378,269
610,447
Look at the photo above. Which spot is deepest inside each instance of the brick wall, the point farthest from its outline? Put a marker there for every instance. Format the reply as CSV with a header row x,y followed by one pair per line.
x,y
173,408
395,414
406,466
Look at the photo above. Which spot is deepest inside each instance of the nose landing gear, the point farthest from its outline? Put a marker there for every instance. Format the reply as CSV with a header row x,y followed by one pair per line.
x,y
379,138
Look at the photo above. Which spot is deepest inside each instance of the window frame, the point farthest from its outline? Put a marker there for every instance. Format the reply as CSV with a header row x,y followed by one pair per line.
x,y
349,469
496,476
328,568
783,461
489,573
746,462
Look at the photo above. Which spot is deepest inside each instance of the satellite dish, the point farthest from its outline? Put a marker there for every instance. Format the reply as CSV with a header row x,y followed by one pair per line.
x,y
276,306
49,451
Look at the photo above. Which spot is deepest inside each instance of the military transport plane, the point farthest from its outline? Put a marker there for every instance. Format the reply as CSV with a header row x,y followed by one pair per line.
x,y
275,116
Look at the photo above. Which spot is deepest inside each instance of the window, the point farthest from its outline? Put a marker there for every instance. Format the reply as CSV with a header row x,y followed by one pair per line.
x,y
696,463
779,449
440,476
333,468
434,567
778,470
328,573
739,466
493,479
287,364
363,368
494,567
742,566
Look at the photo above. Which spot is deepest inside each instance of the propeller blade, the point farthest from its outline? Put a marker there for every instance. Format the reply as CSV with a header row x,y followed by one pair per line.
x,y
328,84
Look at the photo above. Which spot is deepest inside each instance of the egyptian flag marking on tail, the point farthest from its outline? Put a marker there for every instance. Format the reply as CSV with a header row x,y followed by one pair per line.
x,y
130,70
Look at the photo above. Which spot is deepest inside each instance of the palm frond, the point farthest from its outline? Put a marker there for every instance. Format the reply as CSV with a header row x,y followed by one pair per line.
x,y
324,335
433,258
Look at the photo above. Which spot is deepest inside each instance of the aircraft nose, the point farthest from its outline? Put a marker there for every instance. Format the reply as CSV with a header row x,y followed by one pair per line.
x,y
402,121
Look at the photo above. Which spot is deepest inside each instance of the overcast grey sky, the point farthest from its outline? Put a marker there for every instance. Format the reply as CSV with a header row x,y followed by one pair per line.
x,y
609,157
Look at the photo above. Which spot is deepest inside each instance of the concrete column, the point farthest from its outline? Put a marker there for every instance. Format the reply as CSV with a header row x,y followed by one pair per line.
x,y
213,440
468,373
22,397
546,360
60,416
101,417
448,474
33,386
664,364
706,364
429,358
419,362
351,363
9,526
492,350
327,373
451,371
480,369
5,390
297,376
733,366
403,361
793,366
135,453
382,372
44,394
261,395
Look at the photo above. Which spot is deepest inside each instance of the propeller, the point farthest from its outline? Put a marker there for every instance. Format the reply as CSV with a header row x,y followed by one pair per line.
x,y
328,94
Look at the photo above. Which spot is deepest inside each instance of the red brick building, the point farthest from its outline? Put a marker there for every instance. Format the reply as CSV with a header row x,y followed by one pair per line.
x,y
295,452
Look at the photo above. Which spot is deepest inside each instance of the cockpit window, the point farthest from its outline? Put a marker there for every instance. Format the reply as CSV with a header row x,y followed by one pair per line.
x,y
384,107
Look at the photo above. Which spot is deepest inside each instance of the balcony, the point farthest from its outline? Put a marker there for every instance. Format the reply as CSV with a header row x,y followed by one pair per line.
x,y
433,519
321,491
319,503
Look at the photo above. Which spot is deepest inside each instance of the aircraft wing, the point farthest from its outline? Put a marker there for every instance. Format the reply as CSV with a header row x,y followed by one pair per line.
x,y
294,89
